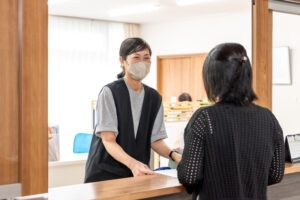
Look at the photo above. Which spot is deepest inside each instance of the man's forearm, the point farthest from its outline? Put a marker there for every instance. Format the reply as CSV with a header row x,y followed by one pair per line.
x,y
162,149
116,151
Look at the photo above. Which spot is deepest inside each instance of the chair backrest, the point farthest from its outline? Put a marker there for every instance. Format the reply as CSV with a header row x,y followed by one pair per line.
x,y
82,142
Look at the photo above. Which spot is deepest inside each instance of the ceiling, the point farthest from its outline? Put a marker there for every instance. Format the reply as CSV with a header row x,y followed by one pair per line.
x,y
166,9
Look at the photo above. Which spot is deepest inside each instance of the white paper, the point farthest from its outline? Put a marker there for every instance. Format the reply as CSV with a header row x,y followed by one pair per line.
x,y
168,172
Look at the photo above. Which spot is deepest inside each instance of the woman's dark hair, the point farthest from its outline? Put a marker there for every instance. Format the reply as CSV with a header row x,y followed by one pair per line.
x,y
184,97
130,46
227,75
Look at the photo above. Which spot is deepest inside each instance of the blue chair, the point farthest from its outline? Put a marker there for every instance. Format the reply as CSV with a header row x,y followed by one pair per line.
x,y
82,142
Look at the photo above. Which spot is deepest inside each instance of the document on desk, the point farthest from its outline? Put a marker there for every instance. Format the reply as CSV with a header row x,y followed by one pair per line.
x,y
168,172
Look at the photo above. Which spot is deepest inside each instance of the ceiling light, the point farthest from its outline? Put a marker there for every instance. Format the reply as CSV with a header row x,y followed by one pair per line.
x,y
190,2
134,10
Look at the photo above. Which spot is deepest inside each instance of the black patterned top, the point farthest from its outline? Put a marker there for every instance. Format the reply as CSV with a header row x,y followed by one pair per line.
x,y
232,153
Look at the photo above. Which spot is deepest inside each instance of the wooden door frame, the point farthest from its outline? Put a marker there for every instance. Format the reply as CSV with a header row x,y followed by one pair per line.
x,y
9,96
24,99
262,30
33,102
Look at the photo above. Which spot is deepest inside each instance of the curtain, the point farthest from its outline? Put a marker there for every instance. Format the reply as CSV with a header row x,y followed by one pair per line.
x,y
131,30
83,57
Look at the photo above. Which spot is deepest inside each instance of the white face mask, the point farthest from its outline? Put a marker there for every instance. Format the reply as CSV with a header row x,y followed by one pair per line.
x,y
139,70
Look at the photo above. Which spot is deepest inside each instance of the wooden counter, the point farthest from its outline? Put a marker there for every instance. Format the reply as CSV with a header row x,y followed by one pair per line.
x,y
128,188
292,168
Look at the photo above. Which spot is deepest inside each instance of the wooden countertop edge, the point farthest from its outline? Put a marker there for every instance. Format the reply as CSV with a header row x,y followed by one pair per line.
x,y
148,194
292,168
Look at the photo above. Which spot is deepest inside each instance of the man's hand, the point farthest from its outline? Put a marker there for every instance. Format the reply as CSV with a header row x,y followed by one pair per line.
x,y
176,156
115,150
139,169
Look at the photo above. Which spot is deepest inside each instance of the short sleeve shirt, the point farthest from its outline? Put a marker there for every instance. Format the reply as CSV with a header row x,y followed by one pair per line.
x,y
106,114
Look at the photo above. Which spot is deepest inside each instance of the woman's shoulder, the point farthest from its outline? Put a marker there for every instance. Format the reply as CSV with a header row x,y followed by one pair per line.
x,y
202,110
262,110
113,86
219,108
105,92
249,107
269,113
200,114
115,83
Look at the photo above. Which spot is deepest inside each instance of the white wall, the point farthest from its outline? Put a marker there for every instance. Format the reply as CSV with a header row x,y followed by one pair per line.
x,y
202,33
196,35
286,98
66,173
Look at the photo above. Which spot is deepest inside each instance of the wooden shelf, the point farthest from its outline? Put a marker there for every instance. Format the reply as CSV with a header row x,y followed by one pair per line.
x,y
180,111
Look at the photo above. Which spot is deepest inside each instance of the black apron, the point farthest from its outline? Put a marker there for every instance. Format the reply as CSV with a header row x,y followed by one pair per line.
x,y
100,165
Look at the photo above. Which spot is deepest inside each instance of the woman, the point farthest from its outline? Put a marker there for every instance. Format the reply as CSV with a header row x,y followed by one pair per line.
x,y
234,148
129,120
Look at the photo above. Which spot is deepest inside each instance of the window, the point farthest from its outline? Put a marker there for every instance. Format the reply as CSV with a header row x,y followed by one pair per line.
x,y
83,57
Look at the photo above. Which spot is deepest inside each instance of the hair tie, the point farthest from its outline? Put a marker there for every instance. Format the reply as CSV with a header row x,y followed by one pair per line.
x,y
244,59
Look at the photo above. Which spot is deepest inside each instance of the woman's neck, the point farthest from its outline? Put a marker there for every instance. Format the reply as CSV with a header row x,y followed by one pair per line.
x,y
134,84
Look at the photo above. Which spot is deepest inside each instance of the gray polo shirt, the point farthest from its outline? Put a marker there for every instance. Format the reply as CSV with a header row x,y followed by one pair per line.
x,y
106,114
